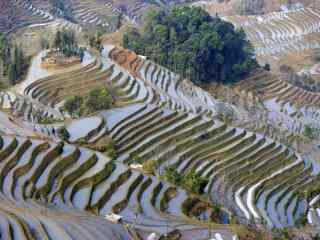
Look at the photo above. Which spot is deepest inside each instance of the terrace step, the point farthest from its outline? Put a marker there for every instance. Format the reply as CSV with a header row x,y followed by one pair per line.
x,y
78,178
215,151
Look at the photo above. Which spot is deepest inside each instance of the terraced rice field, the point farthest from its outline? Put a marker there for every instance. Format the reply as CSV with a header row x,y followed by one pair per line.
x,y
69,177
158,85
95,13
172,123
278,33
23,13
169,144
17,14
191,142
287,106
162,87
159,116
269,87
33,220
53,89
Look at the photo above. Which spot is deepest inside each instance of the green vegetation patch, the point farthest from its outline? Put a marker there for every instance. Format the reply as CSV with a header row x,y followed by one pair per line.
x,y
187,40
98,99
191,180
12,60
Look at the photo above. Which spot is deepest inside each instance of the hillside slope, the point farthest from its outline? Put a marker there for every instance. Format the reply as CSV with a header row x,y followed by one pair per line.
x,y
249,7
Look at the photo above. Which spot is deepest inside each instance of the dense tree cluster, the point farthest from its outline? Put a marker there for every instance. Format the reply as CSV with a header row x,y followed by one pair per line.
x,y
66,42
190,42
12,59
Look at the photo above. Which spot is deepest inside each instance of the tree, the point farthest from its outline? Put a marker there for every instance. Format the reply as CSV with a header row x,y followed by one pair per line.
x,y
98,99
81,53
267,67
63,133
72,105
57,43
4,48
44,43
17,66
95,41
194,44
119,20
12,74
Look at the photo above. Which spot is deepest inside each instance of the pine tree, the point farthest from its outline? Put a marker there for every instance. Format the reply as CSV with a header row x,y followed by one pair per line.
x,y
57,40
12,74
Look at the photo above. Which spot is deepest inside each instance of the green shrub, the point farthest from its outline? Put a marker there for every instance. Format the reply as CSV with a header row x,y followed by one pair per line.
x,y
302,220
63,133
48,120
195,182
72,106
216,211
172,175
134,157
267,67
111,150
316,237
98,99
191,180
310,132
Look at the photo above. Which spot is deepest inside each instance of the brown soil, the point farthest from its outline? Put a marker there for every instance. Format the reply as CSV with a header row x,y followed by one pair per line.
x,y
126,59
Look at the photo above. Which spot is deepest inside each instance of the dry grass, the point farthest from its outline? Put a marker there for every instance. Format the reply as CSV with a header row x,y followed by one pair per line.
x,y
298,61
29,38
224,8
116,37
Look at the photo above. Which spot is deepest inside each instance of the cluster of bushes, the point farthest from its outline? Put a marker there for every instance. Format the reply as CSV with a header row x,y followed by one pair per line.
x,y
48,120
110,149
310,132
14,62
191,180
63,134
98,99
189,41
